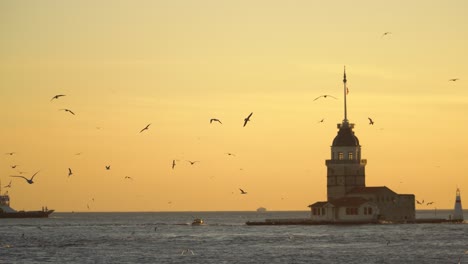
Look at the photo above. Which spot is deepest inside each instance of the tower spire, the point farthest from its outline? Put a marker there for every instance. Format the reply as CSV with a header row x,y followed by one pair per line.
x,y
345,120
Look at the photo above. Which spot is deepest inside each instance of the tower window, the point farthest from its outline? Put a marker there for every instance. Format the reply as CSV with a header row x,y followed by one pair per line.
x,y
340,155
350,155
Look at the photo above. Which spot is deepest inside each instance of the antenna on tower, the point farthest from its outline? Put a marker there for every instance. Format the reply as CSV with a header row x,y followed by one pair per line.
x,y
345,92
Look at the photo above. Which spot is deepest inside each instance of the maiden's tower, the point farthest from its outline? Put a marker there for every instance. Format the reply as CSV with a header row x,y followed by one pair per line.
x,y
348,197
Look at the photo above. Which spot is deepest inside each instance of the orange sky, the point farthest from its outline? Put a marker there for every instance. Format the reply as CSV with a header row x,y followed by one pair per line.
x,y
176,64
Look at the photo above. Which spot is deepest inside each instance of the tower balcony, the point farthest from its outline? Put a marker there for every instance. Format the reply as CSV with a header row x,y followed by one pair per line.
x,y
330,162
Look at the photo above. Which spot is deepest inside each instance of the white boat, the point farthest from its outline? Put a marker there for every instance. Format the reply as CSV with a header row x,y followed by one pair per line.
x,y
197,221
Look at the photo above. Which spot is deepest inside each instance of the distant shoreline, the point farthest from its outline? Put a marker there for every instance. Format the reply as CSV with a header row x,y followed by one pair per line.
x,y
251,211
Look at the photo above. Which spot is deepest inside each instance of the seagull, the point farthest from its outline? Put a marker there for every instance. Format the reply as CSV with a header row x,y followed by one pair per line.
x,y
242,191
453,80
325,96
68,110
13,166
173,164
146,128
69,172
10,153
418,202
187,251
321,121
247,119
107,167
371,122
57,97
215,120
193,162
386,33
429,203
8,185
230,154
30,181
128,177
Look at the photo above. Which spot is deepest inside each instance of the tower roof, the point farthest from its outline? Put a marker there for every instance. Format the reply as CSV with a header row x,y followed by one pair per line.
x,y
345,136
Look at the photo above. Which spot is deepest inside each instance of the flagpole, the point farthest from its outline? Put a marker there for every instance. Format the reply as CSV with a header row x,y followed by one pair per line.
x,y
344,90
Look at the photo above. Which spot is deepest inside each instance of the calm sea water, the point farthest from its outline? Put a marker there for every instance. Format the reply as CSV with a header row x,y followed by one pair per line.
x,y
169,238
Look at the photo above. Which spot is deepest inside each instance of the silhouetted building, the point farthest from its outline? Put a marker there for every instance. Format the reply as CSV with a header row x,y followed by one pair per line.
x,y
458,211
348,198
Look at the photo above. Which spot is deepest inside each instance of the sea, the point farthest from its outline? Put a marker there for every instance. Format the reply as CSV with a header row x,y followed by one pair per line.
x,y
169,237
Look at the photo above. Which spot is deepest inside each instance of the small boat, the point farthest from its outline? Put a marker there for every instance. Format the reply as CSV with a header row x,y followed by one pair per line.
x,y
7,212
197,221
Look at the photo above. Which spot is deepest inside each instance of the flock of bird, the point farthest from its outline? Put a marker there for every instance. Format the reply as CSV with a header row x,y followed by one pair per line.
x,y
108,167
422,202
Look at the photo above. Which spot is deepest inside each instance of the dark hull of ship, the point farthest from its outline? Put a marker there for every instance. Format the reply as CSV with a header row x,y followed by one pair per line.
x,y
26,214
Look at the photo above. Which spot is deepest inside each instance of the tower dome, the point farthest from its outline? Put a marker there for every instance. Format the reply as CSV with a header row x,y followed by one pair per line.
x,y
345,136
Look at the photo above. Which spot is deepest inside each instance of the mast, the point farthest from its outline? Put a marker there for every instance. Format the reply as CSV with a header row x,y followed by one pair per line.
x,y
345,120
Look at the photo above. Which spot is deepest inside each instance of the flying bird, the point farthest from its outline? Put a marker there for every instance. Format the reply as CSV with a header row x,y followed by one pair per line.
x,y
192,162
13,166
453,80
57,97
68,110
386,33
8,185
10,153
230,154
247,119
173,164
325,96
215,120
128,177
107,167
429,203
146,128
69,172
242,191
30,181
321,121
371,122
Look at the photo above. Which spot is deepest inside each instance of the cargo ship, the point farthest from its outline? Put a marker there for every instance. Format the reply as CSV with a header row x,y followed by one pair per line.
x,y
7,212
